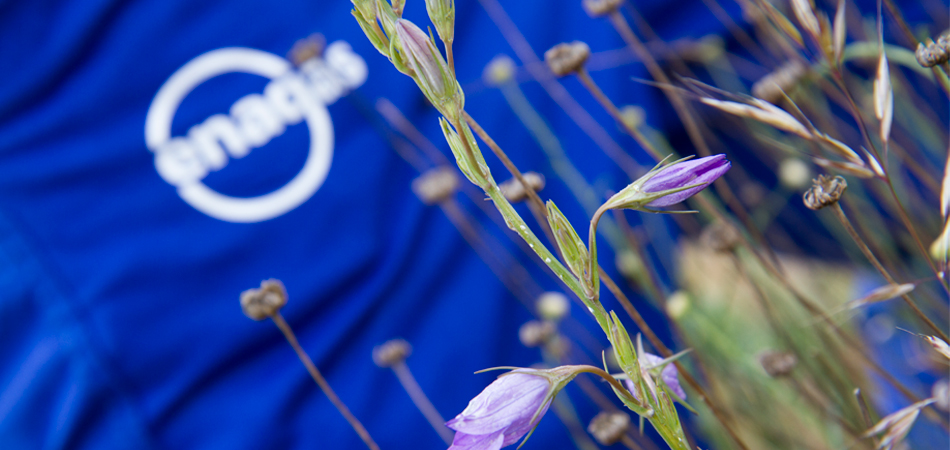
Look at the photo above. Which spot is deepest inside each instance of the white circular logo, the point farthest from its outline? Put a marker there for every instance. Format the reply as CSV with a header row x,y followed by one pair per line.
x,y
291,96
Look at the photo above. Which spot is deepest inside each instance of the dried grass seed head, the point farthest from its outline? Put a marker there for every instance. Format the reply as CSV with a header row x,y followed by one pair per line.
x,y
264,302
825,191
784,79
515,192
609,427
391,352
934,53
567,57
598,8
436,185
777,363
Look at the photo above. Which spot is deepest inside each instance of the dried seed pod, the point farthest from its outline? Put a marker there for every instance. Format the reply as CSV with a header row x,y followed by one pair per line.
x,y
720,236
825,191
776,363
567,57
783,80
609,427
391,352
515,192
436,185
598,8
259,304
934,53
534,333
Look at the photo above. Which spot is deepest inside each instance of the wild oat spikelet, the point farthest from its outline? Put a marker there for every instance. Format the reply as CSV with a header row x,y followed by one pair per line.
x,y
896,425
782,80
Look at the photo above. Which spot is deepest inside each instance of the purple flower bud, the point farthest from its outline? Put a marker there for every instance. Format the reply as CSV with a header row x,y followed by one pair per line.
x,y
700,171
669,375
423,57
502,413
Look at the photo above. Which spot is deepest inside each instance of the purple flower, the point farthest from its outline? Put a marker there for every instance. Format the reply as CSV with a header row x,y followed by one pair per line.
x,y
502,413
700,171
669,375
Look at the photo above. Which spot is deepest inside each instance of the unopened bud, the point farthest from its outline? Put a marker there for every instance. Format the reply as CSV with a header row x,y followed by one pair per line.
x,y
553,306
259,304
793,173
597,8
500,70
941,393
934,53
391,353
772,86
515,192
825,191
436,185
777,364
567,57
306,49
535,333
442,15
609,427
720,236
428,68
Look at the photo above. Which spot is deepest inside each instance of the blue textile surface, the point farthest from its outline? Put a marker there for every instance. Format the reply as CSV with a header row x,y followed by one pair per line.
x,y
119,315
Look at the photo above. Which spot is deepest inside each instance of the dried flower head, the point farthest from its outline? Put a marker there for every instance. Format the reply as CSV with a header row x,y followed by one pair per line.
x,y
567,57
436,185
609,427
259,304
535,333
391,352
784,79
720,236
776,363
553,306
934,53
515,192
597,8
306,49
825,191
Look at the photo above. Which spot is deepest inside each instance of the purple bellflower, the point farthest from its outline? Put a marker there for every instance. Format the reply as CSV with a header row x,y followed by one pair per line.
x,y
669,375
505,411
670,184
702,171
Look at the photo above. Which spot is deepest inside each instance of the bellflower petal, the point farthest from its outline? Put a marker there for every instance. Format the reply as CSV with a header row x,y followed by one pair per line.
x,y
669,375
502,413
700,171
